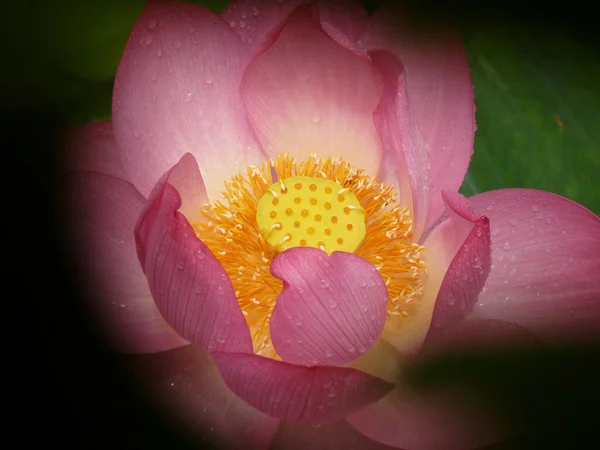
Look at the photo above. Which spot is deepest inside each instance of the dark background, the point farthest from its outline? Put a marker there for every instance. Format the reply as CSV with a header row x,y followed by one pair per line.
x,y
64,389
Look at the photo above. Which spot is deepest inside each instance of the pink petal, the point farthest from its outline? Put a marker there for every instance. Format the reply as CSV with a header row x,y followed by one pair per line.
x,y
102,211
546,261
176,92
457,256
440,420
91,147
187,385
186,179
332,308
189,285
403,145
257,22
310,395
331,436
470,266
439,97
306,94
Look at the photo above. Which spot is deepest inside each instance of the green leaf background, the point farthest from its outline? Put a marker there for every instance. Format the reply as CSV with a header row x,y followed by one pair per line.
x,y
536,89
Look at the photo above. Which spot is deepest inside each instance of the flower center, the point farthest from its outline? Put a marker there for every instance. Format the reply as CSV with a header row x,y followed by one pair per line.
x,y
314,212
323,203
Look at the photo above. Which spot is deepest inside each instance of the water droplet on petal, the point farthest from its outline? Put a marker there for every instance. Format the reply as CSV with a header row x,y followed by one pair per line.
x,y
325,283
477,263
232,24
200,254
255,11
159,52
512,221
316,119
177,45
506,246
244,15
152,24
188,97
535,207
489,208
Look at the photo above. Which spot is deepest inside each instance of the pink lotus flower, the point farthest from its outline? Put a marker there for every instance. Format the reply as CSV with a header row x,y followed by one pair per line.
x,y
278,188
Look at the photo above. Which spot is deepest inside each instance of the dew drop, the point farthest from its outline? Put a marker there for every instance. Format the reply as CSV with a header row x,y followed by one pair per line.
x,y
535,207
159,52
490,207
177,45
331,394
316,119
333,305
200,254
149,39
255,11
325,283
244,15
477,263
512,221
495,232
188,97
232,24
209,80
152,24
506,246
242,24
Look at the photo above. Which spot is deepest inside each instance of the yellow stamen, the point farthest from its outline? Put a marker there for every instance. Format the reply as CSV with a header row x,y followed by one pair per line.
x,y
352,212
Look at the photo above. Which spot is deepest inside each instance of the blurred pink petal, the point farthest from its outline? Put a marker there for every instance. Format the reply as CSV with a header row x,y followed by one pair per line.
x,y
432,421
439,97
175,93
312,395
189,285
465,276
404,163
91,147
545,264
257,22
187,383
332,308
301,96
331,436
102,213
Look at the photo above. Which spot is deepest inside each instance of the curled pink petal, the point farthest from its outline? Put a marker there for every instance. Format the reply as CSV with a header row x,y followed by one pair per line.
x,y
470,265
439,97
331,436
187,383
307,94
312,395
457,257
257,22
186,179
102,211
91,147
405,159
432,421
175,93
190,287
332,308
545,264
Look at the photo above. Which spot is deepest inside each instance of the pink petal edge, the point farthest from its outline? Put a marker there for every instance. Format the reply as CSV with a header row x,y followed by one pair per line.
x,y
102,212
311,395
189,285
257,22
404,161
301,96
439,96
175,93
332,308
469,269
545,264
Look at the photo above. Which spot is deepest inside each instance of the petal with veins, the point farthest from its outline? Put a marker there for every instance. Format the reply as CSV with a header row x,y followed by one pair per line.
x,y
307,94
331,310
439,96
546,264
189,285
312,395
175,92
